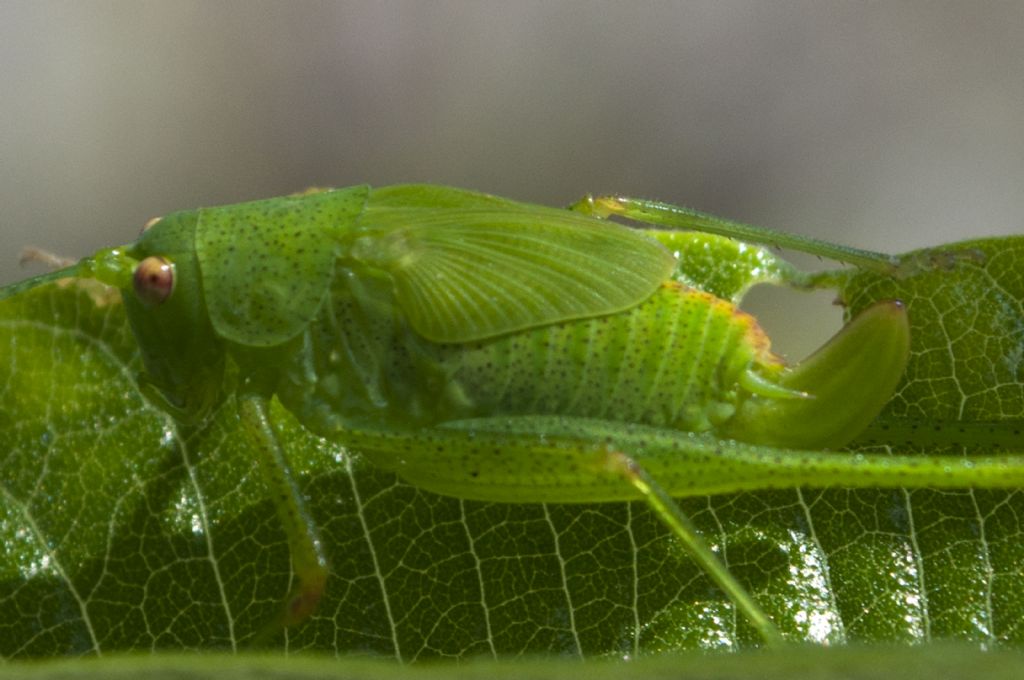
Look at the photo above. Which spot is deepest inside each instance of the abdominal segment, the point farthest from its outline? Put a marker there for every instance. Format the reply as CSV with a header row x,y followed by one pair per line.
x,y
673,361
676,360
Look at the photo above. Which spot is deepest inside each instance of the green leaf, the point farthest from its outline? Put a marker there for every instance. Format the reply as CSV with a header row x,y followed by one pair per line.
x,y
810,663
116,539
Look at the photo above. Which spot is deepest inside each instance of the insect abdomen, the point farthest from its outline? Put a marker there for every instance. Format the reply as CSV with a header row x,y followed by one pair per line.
x,y
672,361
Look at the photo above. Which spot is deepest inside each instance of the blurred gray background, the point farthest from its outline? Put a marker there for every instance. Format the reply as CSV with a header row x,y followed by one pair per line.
x,y
881,125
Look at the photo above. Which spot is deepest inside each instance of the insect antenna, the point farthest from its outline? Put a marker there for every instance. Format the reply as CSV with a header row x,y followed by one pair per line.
x,y
22,286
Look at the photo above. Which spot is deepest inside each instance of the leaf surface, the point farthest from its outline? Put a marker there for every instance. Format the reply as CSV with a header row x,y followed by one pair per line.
x,y
117,539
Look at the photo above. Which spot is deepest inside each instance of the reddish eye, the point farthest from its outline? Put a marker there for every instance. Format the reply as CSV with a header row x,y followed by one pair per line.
x,y
154,280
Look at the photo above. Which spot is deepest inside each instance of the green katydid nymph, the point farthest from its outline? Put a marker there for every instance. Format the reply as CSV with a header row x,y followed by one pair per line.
x,y
494,350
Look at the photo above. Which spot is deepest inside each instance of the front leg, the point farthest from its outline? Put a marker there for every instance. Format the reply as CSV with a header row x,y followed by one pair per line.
x,y
308,562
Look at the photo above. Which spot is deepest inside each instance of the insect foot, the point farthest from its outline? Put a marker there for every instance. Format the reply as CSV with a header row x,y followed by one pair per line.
x,y
847,381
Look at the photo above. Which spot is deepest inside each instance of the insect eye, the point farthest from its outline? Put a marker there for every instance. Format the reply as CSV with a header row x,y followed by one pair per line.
x,y
154,280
